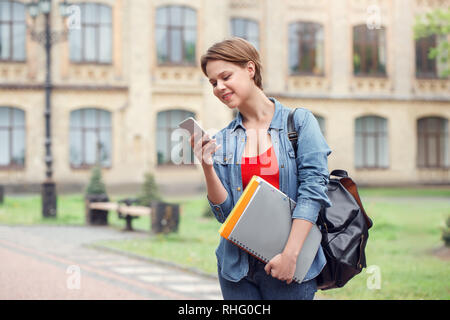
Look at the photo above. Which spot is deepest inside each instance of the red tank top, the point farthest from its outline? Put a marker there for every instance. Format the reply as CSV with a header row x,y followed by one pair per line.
x,y
264,165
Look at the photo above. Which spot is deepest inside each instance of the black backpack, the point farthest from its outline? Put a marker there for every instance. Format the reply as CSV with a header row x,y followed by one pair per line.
x,y
344,226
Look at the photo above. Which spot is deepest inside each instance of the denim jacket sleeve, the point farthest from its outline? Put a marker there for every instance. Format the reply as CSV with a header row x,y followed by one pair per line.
x,y
221,167
222,210
312,165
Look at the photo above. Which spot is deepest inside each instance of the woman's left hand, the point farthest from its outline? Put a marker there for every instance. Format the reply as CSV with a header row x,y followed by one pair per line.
x,y
282,267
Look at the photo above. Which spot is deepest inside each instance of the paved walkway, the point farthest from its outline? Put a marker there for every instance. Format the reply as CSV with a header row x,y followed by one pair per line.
x,y
52,262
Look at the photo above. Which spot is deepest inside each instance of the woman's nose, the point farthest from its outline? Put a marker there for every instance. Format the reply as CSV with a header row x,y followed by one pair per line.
x,y
220,85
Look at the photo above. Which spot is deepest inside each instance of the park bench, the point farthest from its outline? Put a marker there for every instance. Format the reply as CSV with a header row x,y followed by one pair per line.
x,y
125,210
164,216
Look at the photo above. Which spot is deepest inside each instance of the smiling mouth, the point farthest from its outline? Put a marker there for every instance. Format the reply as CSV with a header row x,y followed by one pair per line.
x,y
227,96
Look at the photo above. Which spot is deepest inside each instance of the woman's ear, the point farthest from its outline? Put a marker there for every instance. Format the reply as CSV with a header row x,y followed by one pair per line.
x,y
251,69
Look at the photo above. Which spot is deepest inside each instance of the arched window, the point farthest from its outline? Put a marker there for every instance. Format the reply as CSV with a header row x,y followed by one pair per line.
x,y
167,122
371,142
432,133
12,137
90,138
12,31
246,29
369,51
91,42
176,35
306,48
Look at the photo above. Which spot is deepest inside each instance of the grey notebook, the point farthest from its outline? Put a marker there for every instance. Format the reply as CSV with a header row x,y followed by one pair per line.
x,y
264,223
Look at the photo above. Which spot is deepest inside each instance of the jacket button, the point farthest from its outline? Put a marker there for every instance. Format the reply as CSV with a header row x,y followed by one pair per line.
x,y
217,209
239,189
282,166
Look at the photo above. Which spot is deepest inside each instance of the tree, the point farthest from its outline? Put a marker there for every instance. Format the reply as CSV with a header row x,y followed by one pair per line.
x,y
96,185
149,191
436,22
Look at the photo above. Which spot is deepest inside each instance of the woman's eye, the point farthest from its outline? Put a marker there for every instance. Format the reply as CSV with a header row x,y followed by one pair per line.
x,y
226,78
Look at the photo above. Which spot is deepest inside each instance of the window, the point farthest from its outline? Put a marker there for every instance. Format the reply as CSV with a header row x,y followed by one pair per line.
x,y
90,138
371,142
167,122
176,35
246,29
432,141
321,121
425,67
12,138
92,42
12,31
306,45
369,51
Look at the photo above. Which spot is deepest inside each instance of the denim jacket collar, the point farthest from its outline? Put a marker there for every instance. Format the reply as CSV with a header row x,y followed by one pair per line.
x,y
277,119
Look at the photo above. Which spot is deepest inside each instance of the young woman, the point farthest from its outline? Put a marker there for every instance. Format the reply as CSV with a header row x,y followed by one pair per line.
x,y
256,142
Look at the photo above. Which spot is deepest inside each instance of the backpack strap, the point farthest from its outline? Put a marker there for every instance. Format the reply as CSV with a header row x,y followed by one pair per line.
x,y
351,187
339,173
345,180
292,133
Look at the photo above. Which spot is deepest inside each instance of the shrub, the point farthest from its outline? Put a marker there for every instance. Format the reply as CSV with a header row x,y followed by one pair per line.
x,y
96,185
149,191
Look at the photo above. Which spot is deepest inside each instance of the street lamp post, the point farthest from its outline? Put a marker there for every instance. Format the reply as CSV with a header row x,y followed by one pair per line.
x,y
47,38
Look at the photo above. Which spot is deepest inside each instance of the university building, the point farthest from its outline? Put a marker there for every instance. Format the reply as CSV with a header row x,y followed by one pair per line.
x,y
128,72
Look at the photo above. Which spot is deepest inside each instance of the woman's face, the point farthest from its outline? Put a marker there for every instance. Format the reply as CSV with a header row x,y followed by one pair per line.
x,y
231,83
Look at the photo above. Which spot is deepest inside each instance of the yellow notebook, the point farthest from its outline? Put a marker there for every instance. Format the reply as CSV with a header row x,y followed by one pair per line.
x,y
239,208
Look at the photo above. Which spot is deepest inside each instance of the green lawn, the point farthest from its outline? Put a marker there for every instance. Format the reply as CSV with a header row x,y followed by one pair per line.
x,y
406,230
27,210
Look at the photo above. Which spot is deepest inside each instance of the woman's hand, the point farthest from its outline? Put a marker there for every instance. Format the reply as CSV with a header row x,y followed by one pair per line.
x,y
203,149
282,267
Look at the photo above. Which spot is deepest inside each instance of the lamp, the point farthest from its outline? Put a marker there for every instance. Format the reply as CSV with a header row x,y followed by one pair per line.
x,y
47,38
45,6
33,9
64,8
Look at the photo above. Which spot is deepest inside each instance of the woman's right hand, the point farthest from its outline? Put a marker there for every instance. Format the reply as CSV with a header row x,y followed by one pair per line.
x,y
204,151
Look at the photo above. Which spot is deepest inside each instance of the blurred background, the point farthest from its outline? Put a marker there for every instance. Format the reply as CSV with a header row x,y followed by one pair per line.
x,y
127,72
104,83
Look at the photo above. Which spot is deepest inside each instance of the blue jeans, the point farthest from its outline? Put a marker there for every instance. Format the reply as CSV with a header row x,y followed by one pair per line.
x,y
257,285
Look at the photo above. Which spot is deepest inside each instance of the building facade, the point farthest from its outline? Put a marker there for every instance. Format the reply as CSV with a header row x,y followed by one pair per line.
x,y
129,72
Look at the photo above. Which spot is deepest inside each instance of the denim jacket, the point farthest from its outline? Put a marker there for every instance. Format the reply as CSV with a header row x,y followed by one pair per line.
x,y
303,178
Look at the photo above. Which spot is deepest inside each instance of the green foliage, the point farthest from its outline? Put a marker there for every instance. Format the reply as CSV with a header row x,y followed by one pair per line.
x,y
357,62
446,233
149,191
436,22
96,185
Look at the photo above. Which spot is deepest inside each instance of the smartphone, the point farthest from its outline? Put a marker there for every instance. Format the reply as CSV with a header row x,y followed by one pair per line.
x,y
192,126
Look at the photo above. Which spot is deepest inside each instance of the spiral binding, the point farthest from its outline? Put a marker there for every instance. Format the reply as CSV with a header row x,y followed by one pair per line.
x,y
253,252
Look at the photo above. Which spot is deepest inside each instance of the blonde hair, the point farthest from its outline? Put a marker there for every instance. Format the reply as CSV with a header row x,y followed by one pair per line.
x,y
235,50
